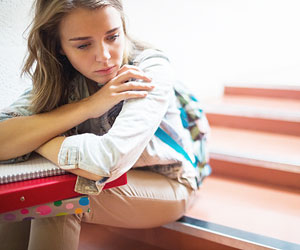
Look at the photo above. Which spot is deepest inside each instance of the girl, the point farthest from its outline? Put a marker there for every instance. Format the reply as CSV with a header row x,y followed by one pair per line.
x,y
97,99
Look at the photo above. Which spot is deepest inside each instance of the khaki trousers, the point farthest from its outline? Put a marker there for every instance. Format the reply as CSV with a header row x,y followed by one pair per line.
x,y
148,200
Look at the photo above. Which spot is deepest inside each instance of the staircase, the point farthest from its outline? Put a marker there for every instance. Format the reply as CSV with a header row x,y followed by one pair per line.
x,y
254,191
252,198
256,134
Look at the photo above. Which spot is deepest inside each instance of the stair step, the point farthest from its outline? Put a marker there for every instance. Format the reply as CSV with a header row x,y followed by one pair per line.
x,y
255,155
250,207
228,236
288,92
255,113
230,214
258,145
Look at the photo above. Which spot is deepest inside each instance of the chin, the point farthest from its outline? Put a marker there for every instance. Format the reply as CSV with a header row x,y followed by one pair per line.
x,y
106,79
103,80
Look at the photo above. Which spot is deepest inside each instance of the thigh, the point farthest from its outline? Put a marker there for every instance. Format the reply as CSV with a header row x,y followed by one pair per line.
x,y
60,232
148,200
14,235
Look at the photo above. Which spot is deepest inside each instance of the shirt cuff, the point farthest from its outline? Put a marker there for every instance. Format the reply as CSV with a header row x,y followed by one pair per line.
x,y
68,157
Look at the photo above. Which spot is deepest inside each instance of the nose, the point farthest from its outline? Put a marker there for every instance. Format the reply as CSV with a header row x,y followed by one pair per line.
x,y
102,53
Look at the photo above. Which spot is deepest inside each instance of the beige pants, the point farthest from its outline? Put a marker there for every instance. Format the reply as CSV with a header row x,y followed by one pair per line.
x,y
148,200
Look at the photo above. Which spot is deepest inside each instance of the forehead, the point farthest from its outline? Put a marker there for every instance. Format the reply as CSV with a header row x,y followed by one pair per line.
x,y
83,21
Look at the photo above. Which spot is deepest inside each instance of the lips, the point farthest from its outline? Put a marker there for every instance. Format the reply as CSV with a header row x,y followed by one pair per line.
x,y
106,71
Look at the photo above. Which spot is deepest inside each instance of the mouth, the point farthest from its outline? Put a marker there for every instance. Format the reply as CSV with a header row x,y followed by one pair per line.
x,y
106,71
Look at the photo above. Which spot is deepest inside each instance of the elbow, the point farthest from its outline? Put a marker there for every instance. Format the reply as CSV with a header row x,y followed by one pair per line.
x,y
4,153
12,156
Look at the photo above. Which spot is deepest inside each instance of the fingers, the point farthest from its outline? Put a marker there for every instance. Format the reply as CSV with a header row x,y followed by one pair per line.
x,y
130,82
132,95
133,86
128,73
127,67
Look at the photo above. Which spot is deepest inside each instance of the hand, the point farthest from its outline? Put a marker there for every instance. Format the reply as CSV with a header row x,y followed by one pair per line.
x,y
119,88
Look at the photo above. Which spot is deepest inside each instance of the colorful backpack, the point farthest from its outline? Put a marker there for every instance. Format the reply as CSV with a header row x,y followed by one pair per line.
x,y
193,119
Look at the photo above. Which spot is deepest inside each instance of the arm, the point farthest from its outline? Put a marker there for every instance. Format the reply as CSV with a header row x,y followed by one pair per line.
x,y
21,135
50,151
114,153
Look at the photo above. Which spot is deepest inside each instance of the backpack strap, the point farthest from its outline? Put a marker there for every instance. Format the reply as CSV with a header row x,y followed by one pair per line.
x,y
163,136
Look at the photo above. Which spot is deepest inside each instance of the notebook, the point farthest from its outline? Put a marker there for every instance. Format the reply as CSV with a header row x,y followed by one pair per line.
x,y
24,194
22,185
36,167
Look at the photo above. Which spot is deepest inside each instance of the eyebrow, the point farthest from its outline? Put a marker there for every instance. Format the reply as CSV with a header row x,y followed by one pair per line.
x,y
89,37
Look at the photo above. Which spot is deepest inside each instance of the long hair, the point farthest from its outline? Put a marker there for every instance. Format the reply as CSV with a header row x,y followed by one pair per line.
x,y
50,71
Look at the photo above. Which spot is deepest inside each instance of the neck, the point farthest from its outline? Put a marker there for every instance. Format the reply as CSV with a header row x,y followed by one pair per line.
x,y
92,86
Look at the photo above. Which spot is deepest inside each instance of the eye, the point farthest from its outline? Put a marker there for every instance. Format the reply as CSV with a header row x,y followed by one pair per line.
x,y
83,46
113,37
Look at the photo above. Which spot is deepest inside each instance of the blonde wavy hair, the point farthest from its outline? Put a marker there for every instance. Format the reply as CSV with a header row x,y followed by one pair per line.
x,y
50,71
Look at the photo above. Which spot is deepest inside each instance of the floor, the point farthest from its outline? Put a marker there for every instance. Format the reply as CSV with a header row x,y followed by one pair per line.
x,y
257,208
95,237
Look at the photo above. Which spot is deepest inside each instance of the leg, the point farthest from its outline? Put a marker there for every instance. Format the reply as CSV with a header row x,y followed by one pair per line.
x,y
14,235
148,200
55,233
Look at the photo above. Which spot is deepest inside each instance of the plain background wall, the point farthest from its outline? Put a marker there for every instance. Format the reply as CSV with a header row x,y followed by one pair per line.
x,y
210,42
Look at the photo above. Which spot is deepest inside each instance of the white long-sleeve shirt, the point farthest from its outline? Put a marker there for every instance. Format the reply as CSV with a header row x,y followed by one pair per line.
x,y
123,137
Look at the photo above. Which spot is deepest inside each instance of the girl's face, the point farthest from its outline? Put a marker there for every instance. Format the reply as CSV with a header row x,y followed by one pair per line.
x,y
93,41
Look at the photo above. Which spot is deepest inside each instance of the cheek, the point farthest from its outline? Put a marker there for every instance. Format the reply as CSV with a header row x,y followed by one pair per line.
x,y
119,55
78,61
119,51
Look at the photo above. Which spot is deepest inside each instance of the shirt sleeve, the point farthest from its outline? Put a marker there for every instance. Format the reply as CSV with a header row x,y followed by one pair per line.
x,y
19,108
114,153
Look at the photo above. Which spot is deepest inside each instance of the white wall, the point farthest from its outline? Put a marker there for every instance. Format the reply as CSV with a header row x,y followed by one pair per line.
x,y
214,42
210,42
14,18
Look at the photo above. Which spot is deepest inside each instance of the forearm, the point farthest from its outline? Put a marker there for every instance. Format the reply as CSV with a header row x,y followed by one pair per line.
x,y
22,135
111,155
50,150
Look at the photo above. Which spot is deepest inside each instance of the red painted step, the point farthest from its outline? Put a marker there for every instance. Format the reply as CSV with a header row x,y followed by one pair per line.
x,y
274,91
248,206
255,155
256,113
